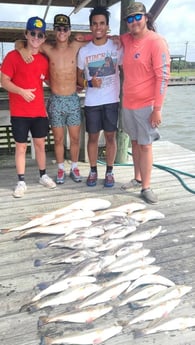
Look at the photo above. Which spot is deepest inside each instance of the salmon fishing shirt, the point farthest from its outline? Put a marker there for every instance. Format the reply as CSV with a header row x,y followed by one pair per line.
x,y
26,76
146,65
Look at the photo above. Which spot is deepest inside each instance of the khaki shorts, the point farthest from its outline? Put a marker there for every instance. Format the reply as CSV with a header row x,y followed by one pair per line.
x,y
135,123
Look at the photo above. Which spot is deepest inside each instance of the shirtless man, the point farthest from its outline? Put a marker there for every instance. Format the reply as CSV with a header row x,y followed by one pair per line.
x,y
64,103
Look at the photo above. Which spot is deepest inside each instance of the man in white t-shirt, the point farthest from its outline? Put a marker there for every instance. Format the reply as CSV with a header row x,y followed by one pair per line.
x,y
98,72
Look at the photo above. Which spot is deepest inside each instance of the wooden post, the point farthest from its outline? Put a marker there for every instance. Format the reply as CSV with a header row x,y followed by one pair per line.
x,y
122,137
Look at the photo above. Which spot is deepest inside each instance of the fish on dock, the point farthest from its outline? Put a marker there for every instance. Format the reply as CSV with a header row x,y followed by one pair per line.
x,y
105,294
72,257
93,336
88,204
169,324
171,292
78,243
144,235
85,315
141,293
128,208
156,312
146,215
63,284
62,228
150,279
69,295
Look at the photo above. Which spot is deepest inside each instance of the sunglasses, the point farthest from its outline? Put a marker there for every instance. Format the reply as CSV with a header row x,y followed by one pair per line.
x,y
39,35
136,17
62,28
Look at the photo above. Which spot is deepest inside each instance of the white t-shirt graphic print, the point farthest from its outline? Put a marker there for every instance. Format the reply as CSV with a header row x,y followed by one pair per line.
x,y
102,62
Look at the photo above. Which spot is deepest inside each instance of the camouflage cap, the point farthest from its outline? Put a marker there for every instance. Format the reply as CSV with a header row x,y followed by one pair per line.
x,y
61,20
135,8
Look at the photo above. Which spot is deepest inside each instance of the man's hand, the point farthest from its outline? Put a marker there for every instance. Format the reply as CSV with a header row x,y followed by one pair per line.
x,y
96,82
26,56
155,118
28,94
116,40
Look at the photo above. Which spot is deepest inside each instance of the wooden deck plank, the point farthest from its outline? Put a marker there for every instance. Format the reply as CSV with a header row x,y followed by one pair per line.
x,y
173,248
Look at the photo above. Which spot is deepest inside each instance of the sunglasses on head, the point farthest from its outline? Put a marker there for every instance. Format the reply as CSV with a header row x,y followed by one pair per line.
x,y
136,17
39,35
62,28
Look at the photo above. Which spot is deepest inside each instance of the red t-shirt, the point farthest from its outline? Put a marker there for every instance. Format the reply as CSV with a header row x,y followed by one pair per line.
x,y
146,66
27,76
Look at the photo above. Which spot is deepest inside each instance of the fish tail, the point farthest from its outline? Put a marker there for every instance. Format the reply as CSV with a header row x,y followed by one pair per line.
x,y
37,263
4,231
43,285
24,308
138,333
42,321
45,341
32,308
41,245
135,305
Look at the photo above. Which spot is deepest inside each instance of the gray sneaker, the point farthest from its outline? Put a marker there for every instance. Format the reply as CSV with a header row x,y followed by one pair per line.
x,y
133,184
46,181
20,189
75,175
149,196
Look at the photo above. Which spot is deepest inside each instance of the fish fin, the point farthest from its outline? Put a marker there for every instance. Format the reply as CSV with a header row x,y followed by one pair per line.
x,y
43,285
138,333
41,245
38,263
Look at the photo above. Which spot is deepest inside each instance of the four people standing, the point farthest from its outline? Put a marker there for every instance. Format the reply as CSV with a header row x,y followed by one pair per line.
x,y
146,65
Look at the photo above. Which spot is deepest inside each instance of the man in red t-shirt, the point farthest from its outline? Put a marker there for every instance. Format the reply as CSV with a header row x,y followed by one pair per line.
x,y
24,84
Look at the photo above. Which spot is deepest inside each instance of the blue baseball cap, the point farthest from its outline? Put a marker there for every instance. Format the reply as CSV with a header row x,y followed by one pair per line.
x,y
36,23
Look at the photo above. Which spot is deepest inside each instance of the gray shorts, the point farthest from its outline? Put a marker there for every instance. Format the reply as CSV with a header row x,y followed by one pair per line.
x,y
64,110
136,124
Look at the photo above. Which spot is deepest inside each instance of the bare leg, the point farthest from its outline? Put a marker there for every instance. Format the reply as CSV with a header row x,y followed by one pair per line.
x,y
74,134
111,147
39,144
136,159
58,133
146,161
92,147
20,157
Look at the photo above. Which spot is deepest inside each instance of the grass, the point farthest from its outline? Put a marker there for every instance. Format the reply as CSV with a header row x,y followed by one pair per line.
x,y
183,73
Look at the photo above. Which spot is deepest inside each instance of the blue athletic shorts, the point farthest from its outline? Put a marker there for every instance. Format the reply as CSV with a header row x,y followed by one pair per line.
x,y
64,110
21,126
136,123
102,117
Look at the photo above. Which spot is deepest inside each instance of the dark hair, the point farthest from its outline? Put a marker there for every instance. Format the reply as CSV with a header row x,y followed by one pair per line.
x,y
99,10
150,22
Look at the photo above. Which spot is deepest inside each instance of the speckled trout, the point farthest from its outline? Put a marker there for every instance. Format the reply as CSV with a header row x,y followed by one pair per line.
x,y
155,312
163,325
92,336
85,315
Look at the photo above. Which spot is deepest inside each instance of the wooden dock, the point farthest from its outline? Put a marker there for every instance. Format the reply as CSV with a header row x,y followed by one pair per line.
x,y
173,248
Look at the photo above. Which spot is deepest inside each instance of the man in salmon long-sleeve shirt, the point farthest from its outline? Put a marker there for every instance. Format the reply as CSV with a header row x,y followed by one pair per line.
x,y
146,66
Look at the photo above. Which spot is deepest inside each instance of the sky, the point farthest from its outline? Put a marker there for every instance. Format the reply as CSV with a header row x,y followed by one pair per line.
x,y
175,23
